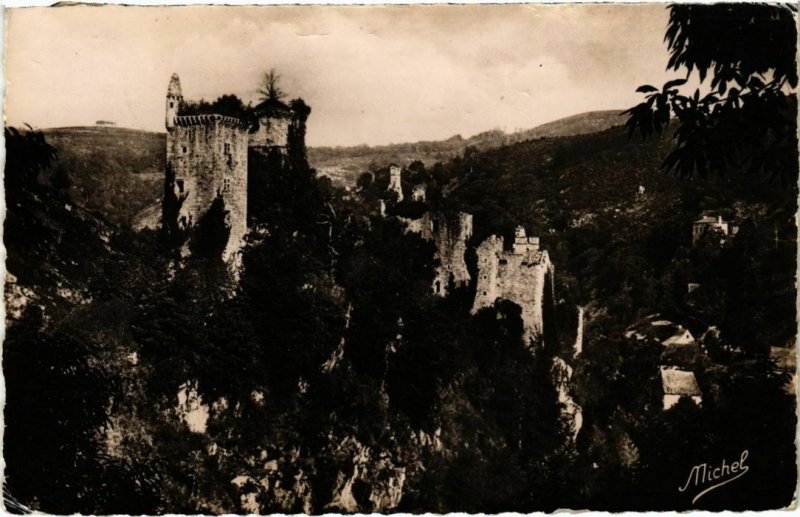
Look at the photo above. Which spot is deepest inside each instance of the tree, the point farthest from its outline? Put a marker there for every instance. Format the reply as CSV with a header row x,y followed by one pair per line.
x,y
746,123
296,139
55,416
27,155
60,179
173,232
364,181
270,88
212,232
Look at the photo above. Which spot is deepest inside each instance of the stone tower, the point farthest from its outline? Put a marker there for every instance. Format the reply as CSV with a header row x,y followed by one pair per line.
x,y
208,156
174,100
395,181
274,118
523,275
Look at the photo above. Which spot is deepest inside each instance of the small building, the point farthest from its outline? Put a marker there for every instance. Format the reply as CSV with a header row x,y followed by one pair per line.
x,y
678,384
680,339
707,222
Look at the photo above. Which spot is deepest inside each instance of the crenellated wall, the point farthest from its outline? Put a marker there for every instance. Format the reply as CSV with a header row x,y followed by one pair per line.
x,y
208,155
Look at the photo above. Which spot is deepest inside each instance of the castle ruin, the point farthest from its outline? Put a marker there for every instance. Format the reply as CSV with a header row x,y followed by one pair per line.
x,y
208,157
395,181
450,233
523,275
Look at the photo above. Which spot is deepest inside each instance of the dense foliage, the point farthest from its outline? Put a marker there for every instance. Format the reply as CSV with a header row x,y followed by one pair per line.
x,y
112,171
746,121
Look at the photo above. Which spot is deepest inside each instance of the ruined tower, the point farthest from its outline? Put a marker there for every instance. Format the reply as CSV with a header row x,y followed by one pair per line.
x,y
450,233
523,275
395,181
208,156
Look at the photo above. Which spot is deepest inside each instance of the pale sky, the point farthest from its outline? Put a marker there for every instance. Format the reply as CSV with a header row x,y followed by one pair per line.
x,y
371,75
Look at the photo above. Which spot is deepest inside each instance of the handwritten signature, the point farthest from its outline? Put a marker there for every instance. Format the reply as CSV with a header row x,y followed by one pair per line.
x,y
703,474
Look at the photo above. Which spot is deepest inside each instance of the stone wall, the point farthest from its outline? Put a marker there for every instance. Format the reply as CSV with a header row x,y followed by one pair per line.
x,y
208,155
272,132
450,233
523,276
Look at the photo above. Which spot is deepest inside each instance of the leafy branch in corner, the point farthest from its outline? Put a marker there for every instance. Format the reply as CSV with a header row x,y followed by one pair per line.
x,y
746,122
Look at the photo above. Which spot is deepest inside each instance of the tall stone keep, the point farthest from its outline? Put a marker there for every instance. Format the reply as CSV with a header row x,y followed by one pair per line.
x,y
523,275
208,156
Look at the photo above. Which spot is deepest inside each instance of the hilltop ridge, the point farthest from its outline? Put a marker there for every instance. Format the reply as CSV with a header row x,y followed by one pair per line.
x,y
119,171
343,164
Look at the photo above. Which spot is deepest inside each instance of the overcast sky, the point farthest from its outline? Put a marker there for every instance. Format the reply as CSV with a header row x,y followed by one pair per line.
x,y
371,75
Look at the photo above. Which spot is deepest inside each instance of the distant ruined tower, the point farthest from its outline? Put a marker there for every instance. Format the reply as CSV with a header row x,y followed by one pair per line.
x,y
395,181
523,275
208,156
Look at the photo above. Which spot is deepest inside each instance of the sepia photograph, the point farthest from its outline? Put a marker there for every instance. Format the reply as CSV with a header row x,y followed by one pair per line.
x,y
317,259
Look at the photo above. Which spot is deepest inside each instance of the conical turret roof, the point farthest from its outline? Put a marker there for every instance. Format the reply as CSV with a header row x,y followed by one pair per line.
x,y
273,108
174,89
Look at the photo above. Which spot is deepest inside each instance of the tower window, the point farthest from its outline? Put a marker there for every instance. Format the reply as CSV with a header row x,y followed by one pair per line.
x,y
185,149
227,148
180,185
226,185
171,104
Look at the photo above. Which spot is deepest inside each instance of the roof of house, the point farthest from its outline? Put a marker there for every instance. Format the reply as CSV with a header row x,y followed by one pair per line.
x,y
682,338
707,219
679,382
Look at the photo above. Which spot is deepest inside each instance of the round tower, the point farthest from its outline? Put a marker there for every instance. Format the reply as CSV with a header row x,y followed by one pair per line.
x,y
174,99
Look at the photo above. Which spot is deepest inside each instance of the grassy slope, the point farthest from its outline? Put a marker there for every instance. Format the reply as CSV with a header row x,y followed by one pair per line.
x,y
116,171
